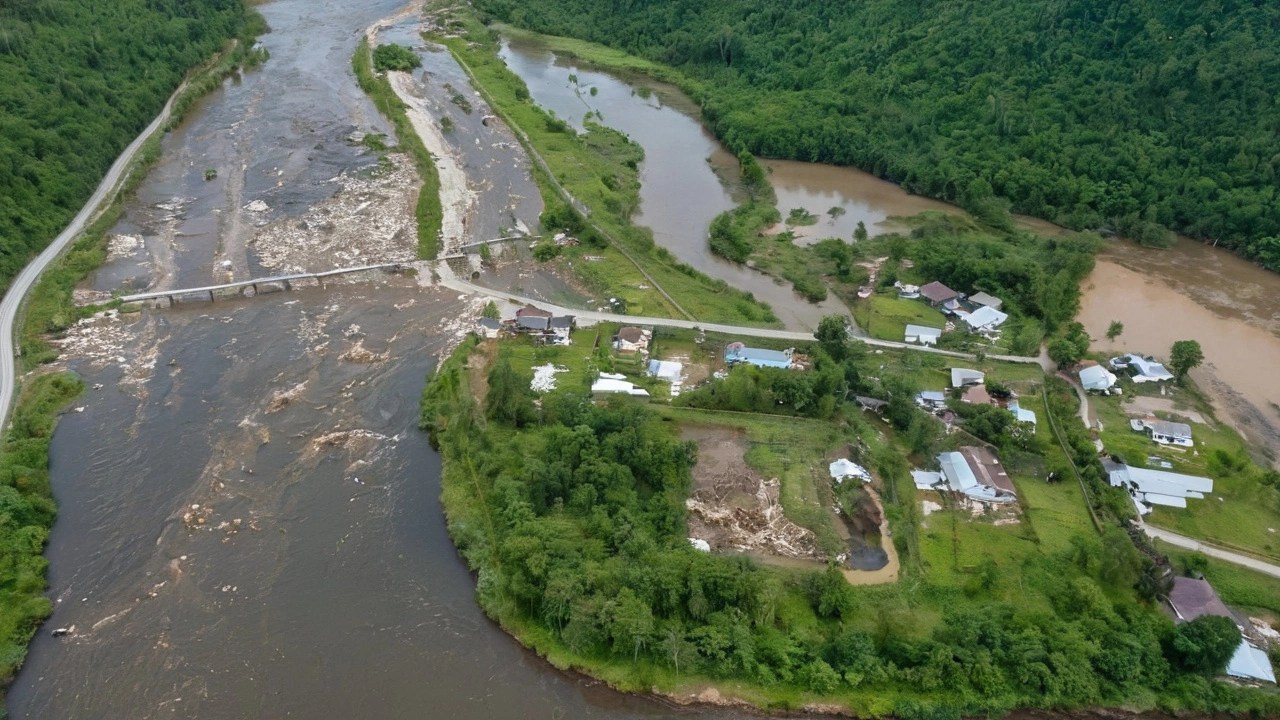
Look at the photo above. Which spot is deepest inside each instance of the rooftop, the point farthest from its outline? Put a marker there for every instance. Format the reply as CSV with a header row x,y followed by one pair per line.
x,y
981,298
964,376
631,334
532,311
922,330
987,468
1192,598
936,292
985,317
1170,429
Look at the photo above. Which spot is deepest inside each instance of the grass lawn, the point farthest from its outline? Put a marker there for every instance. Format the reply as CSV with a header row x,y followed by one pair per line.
x,y
886,317
1241,513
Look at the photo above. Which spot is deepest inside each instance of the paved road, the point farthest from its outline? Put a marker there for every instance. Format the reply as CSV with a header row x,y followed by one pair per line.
x,y
1192,544
17,292
451,281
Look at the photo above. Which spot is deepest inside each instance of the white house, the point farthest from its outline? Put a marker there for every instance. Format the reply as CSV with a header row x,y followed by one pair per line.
x,y
842,468
1158,487
1097,378
964,376
1168,433
666,370
1148,370
631,340
921,334
985,319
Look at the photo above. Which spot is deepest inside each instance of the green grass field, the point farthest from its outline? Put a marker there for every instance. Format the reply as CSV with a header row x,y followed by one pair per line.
x,y
886,317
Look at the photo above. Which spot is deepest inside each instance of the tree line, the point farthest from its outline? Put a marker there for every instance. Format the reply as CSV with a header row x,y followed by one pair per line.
x,y
78,81
1135,116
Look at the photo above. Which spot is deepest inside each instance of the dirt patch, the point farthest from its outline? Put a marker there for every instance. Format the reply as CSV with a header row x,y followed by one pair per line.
x,y
478,368
732,507
1146,404
369,220
457,199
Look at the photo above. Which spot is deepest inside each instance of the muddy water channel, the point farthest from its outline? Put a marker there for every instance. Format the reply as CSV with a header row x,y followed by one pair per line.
x,y
248,521
682,176
1196,292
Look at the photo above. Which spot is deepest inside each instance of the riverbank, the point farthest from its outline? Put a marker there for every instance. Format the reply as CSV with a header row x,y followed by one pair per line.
x,y
599,169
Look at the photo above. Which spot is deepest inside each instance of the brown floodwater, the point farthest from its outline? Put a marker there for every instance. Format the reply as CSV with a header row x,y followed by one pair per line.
x,y
1196,292
860,197
682,178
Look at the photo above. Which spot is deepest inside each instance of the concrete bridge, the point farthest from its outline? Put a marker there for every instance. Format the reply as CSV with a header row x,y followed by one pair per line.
x,y
256,285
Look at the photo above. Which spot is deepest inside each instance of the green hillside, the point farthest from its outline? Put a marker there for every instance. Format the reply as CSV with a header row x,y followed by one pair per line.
x,y
78,81
1133,115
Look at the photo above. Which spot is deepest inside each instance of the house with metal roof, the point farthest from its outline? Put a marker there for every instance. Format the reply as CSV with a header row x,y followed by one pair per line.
x,y
1169,433
937,293
977,474
1020,414
984,319
931,399
964,376
1148,370
982,299
1150,487
1191,598
1097,378
758,357
922,335
613,386
844,468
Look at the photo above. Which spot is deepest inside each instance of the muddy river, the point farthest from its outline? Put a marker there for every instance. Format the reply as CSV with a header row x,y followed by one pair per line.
x,y
248,521
686,174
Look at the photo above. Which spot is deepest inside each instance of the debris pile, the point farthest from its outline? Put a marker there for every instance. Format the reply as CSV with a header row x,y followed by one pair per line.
x,y
544,377
747,526
369,220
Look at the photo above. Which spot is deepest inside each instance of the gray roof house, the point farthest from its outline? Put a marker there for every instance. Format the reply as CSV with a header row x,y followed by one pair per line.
x,y
985,300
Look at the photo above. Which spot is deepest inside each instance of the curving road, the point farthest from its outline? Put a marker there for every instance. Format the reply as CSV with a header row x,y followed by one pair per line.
x,y
1187,543
17,292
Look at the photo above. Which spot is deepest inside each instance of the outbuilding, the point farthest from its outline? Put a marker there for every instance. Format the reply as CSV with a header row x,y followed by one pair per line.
x,y
922,334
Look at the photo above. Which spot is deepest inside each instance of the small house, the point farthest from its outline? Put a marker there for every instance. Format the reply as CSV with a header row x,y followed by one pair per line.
x,y
982,299
737,353
1149,487
631,340
488,328
937,293
536,324
1097,378
984,320
922,335
1021,415
1191,598
1145,370
1167,433
931,399
964,376
668,371
560,328
976,473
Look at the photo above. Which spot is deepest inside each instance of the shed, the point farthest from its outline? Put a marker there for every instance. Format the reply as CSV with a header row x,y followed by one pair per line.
x,y
922,334
937,293
964,376
1097,378
759,357
984,300
931,398
666,370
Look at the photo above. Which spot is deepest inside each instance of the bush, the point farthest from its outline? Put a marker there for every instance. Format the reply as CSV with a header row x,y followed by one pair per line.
x,y
1205,644
395,57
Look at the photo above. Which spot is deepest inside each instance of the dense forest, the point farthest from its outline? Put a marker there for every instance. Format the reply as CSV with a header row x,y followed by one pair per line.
x,y
1129,115
572,513
78,81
